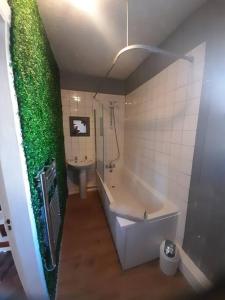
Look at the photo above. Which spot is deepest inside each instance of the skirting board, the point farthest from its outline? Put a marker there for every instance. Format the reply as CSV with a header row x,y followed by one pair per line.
x,y
89,189
92,188
198,281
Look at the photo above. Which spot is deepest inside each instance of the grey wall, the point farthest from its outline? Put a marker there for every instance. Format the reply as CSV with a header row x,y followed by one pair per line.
x,y
194,30
204,238
79,82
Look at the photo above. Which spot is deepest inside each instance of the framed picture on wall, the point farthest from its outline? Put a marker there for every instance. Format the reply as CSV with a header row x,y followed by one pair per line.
x,y
79,126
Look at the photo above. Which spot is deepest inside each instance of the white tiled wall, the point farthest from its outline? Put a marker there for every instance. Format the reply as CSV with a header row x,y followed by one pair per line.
x,y
85,146
110,148
160,127
78,146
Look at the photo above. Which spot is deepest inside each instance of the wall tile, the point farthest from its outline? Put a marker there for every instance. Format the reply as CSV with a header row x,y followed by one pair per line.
x,y
176,137
190,122
188,137
192,106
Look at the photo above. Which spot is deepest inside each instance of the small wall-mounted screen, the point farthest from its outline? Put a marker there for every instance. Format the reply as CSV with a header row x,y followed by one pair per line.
x,y
79,126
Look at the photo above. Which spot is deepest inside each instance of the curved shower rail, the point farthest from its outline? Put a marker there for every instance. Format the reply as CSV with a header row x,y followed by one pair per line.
x,y
148,48
151,49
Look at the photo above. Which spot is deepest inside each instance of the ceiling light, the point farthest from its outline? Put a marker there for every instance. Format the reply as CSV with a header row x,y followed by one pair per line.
x,y
76,98
87,6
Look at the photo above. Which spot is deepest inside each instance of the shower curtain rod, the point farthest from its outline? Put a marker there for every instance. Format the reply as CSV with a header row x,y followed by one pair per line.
x,y
148,48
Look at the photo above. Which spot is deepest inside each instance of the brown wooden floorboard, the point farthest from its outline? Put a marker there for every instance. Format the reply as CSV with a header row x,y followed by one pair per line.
x,y
10,285
89,267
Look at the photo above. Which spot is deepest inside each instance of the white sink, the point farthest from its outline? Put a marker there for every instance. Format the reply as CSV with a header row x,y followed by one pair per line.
x,y
82,166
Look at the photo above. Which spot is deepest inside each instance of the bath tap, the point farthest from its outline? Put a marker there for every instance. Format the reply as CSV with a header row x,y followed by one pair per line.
x,y
110,166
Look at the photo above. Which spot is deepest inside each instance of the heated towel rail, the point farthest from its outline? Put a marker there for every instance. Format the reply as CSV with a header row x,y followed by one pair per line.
x,y
50,210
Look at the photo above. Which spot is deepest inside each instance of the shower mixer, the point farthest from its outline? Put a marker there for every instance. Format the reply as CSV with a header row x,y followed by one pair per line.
x,y
110,166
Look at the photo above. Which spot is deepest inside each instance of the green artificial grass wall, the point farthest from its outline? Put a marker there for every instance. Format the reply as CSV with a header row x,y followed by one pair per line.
x,y
37,85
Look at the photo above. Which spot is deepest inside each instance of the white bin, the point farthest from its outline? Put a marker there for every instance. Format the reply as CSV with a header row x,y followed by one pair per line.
x,y
168,265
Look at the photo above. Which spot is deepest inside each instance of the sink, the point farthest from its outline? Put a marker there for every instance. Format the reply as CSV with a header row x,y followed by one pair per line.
x,y
82,166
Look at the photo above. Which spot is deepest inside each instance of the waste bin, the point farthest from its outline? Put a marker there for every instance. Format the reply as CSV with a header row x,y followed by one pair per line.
x,y
169,257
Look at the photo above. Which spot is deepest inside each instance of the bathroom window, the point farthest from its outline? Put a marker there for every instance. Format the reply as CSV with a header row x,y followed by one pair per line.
x,y
79,126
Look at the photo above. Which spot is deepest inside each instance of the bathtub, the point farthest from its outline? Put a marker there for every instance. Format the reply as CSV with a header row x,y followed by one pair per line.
x,y
138,217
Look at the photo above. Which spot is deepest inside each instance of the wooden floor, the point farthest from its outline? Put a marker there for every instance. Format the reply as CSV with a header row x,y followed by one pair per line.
x,y
10,285
89,267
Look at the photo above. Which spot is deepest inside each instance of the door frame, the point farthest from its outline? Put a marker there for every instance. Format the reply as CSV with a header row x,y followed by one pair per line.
x,y
15,196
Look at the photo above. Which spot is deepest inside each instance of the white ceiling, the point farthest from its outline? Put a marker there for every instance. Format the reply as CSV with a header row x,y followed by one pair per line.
x,y
87,43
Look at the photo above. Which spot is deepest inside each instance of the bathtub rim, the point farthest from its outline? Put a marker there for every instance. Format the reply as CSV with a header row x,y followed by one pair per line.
x,y
168,210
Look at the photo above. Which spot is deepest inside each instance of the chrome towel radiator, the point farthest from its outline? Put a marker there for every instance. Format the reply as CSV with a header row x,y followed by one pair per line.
x,y
47,185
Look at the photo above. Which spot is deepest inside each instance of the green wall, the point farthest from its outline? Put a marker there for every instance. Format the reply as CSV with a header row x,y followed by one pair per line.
x,y
37,85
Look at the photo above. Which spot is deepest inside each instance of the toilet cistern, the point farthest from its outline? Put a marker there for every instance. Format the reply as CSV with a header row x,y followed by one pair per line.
x,y
81,166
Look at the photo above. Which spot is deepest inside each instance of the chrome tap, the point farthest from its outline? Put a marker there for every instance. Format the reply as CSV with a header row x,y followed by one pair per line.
x,y
145,214
110,166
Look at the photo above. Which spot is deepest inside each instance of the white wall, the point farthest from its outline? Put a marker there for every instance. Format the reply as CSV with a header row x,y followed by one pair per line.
x,y
160,128
78,146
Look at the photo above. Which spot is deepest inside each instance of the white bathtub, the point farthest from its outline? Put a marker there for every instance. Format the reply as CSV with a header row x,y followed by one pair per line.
x,y
137,239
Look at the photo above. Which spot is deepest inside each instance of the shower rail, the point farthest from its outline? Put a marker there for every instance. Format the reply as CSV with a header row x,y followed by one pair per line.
x,y
148,48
